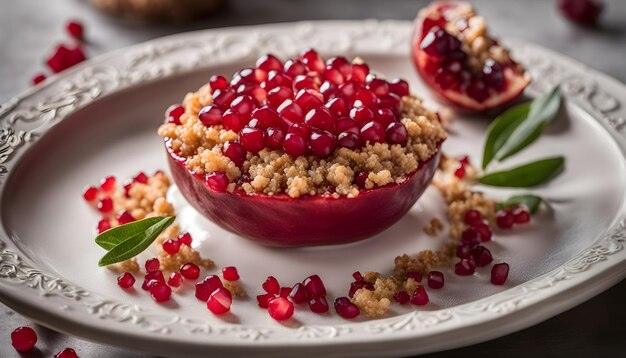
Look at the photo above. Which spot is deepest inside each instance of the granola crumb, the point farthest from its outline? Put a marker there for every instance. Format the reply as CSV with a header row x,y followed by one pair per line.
x,y
434,227
235,288
369,304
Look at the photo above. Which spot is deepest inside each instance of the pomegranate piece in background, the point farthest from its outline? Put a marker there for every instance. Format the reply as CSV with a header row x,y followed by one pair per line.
x,y
23,339
584,12
65,57
459,60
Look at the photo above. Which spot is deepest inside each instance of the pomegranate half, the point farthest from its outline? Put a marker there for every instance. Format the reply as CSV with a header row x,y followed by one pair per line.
x,y
458,59
279,220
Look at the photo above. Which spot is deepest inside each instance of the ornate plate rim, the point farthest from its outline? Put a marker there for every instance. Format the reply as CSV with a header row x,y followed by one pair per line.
x,y
23,283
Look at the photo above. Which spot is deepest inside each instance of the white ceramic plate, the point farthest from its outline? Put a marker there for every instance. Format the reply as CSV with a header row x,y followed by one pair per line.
x,y
100,118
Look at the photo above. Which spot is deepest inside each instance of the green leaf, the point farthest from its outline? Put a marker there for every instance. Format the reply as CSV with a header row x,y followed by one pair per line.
x,y
527,175
113,237
530,201
501,128
542,111
134,245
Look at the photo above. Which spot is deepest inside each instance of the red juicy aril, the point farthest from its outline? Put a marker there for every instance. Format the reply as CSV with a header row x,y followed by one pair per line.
x,y
305,106
477,74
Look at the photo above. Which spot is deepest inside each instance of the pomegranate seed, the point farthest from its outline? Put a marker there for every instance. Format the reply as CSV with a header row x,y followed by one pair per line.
x,y
235,152
231,120
103,225
360,72
337,107
141,177
268,63
75,29
38,78
385,117
107,184
346,124
160,292
465,267
360,179
294,68
378,86
171,246
173,113
584,12
420,297
284,292
217,181
126,280
482,256
127,187
230,273
463,251
459,172
152,264
313,61
185,239
356,285
218,82
90,193
334,76
348,140
320,118
244,105
271,285
341,64
274,138
373,132
244,76
295,145
252,139
305,82
520,216
264,300
23,339
357,276
399,87
66,353
438,42
219,301
402,297
392,102
469,237
484,231
291,111
151,277
210,115
499,273
298,293
348,90
435,279
345,308
314,286
329,90
414,275
190,271
175,279
322,143
223,97
280,308
473,217
64,58
125,218
505,219
309,99
396,133
277,95
105,205
276,79
361,115
205,287
318,304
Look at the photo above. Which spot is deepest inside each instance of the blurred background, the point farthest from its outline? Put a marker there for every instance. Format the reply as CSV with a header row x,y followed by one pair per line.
x,y
31,29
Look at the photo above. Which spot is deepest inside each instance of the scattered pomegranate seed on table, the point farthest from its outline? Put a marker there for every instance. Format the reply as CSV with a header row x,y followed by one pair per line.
x,y
271,285
318,304
205,287
125,217
75,29
297,293
90,193
280,308
103,225
465,267
38,78
402,297
504,219
23,339
190,271
499,273
152,264
105,205
314,286
185,239
175,279
584,12
284,292
66,353
345,308
264,300
420,297
108,184
160,292
219,301
126,280
171,246
230,273
435,279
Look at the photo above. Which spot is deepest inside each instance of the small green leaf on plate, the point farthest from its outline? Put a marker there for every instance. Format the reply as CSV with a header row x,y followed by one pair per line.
x,y
527,175
501,128
136,244
530,201
542,111
115,236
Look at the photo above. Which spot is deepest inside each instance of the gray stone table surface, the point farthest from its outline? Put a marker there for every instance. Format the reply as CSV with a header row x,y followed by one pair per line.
x,y
30,28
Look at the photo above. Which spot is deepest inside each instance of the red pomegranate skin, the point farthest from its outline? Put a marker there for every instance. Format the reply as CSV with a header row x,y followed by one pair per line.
x,y
283,221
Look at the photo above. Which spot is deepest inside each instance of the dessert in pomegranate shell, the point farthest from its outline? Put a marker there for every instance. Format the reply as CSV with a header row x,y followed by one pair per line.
x,y
304,152
458,59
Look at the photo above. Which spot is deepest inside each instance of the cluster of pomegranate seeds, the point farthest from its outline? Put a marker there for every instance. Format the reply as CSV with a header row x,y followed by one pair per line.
x,y
66,353
499,273
359,283
126,280
23,339
205,288
280,300
304,106
506,218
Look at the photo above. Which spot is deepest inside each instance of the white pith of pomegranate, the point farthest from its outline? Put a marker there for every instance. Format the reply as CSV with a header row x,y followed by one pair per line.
x,y
457,58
